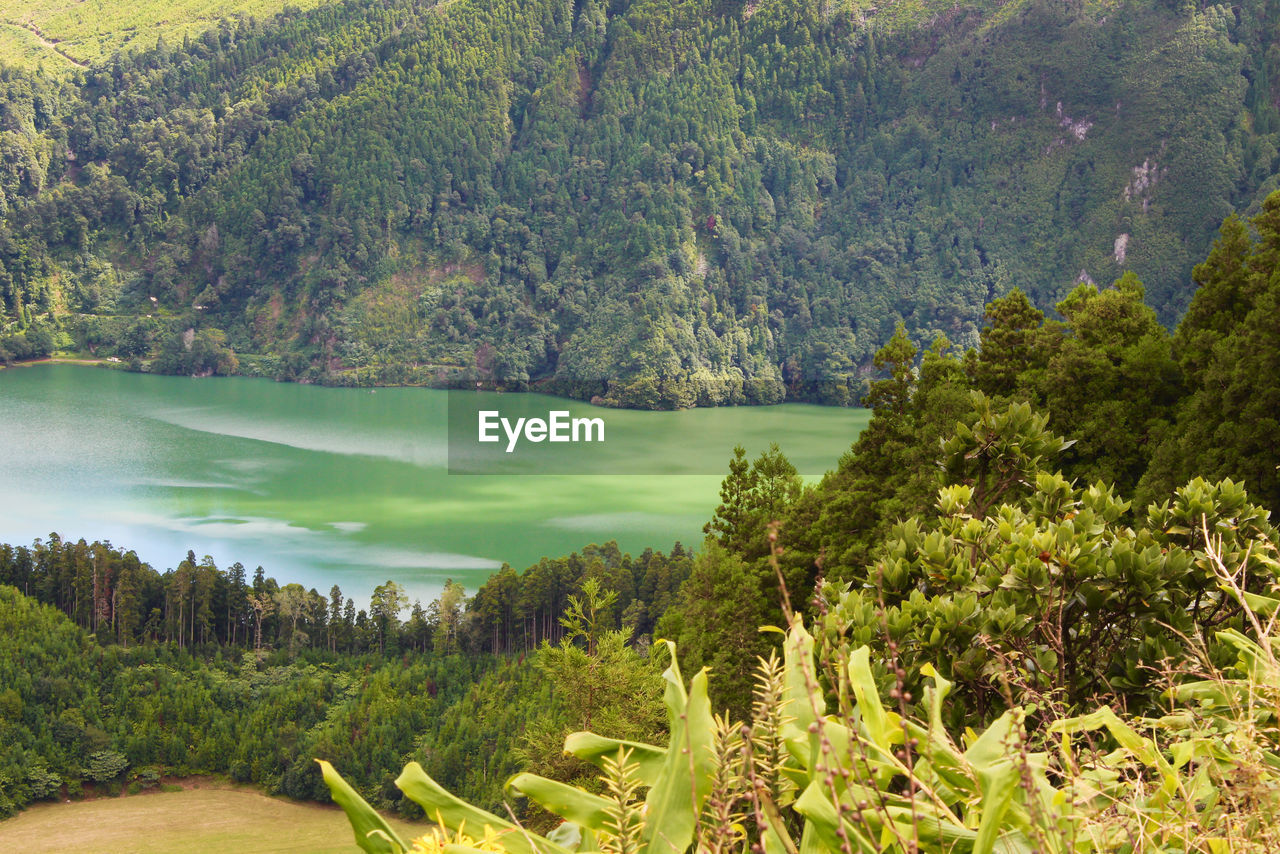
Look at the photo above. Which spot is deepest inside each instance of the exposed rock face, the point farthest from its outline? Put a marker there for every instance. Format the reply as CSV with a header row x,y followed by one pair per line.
x,y
1145,178
1078,129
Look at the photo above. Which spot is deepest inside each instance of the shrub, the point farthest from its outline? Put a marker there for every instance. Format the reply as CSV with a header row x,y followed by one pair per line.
x,y
105,765
43,783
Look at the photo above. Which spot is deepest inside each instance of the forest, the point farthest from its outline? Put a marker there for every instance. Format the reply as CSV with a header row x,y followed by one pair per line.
x,y
1043,525
644,203
117,676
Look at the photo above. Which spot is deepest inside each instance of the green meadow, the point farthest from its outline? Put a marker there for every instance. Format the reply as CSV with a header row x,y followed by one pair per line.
x,y
206,820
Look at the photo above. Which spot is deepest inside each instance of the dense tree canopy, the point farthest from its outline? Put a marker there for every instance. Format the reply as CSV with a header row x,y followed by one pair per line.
x,y
658,204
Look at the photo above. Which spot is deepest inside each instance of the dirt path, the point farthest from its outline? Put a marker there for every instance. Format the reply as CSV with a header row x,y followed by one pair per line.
x,y
46,42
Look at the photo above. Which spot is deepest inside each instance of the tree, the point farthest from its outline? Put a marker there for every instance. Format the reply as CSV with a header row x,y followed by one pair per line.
x,y
891,472
998,455
105,765
335,616
715,622
1110,381
1227,427
731,521
1026,582
448,615
294,603
599,683
384,608
753,497
262,604
237,600
1012,346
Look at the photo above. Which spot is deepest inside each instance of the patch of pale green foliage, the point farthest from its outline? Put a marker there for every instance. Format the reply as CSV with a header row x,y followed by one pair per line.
x,y
54,37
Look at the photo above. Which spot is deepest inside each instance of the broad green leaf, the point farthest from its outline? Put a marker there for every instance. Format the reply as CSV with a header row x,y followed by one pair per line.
x,y
568,802
675,801
998,778
372,832
823,820
1263,606
1122,732
883,729
1143,748
936,694
571,836
999,781
596,749
455,813
932,828
799,702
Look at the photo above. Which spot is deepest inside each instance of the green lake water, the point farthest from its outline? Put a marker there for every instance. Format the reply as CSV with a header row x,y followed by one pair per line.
x,y
352,486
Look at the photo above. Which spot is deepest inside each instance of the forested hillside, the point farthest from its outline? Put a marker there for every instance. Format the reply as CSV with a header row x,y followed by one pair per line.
x,y
115,675
655,204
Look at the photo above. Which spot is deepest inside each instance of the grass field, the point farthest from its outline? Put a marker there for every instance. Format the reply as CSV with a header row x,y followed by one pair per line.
x,y
63,33
212,820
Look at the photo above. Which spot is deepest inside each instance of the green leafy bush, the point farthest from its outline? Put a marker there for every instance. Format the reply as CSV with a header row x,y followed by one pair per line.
x,y
1054,597
826,764
105,765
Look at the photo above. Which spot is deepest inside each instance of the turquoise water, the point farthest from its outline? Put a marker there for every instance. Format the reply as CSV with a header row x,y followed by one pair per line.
x,y
351,486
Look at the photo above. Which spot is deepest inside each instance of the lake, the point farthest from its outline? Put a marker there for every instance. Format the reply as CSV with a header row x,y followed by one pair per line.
x,y
353,486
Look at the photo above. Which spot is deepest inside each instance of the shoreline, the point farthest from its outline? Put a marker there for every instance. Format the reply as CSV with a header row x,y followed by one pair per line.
x,y
122,366
61,360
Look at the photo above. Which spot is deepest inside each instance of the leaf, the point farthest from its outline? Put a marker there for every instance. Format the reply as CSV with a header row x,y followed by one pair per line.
x,y
1263,606
596,749
823,821
1143,748
455,813
798,701
941,688
675,801
1122,732
372,832
998,780
568,802
570,836
883,729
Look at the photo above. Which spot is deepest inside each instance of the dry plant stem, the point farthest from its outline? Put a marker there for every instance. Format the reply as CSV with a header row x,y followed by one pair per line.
x,y
775,552
1213,550
516,821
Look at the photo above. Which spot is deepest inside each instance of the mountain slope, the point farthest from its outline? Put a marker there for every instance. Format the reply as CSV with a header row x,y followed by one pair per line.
x,y
652,203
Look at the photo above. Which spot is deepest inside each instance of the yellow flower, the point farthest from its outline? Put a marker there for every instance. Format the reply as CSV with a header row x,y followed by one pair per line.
x,y
434,841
